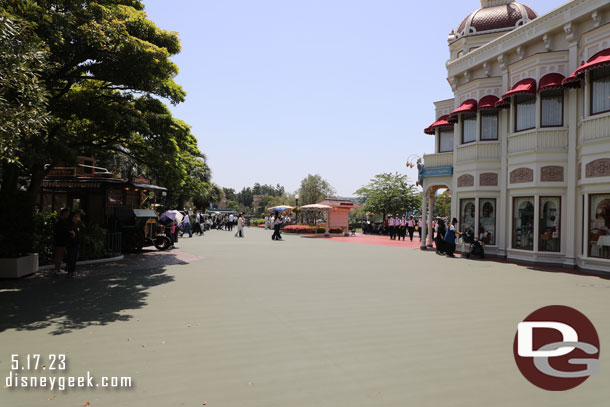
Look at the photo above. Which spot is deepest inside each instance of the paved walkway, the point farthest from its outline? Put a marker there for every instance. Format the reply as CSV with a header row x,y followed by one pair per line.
x,y
302,322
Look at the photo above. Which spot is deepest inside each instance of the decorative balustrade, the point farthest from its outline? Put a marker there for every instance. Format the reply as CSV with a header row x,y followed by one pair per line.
x,y
538,140
478,151
593,128
438,160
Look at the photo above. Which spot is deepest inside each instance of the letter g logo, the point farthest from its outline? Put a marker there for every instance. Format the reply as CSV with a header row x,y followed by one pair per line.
x,y
553,344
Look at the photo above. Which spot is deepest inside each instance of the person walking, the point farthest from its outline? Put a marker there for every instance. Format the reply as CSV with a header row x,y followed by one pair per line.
x,y
240,226
231,220
419,226
72,245
60,238
277,224
450,237
403,228
411,227
197,228
440,231
391,227
266,222
186,222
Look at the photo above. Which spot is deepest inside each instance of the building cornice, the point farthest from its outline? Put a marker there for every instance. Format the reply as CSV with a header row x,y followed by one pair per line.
x,y
537,28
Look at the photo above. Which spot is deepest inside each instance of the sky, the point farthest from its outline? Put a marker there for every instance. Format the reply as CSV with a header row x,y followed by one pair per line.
x,y
278,89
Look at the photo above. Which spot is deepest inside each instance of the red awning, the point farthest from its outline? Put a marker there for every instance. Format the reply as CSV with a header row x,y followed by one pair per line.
x,y
469,106
571,81
488,102
551,81
523,87
503,103
598,60
442,122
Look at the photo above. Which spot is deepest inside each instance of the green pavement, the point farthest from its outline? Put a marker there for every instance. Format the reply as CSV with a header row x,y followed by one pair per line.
x,y
301,322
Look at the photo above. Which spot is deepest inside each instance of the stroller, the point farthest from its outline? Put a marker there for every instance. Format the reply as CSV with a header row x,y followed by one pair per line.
x,y
476,246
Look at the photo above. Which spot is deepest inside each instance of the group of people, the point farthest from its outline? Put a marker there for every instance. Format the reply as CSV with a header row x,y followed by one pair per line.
x,y
444,236
66,237
227,221
198,227
399,227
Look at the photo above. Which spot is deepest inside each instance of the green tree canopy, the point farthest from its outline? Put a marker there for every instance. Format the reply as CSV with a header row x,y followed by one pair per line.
x,y
314,189
389,193
442,203
107,69
22,97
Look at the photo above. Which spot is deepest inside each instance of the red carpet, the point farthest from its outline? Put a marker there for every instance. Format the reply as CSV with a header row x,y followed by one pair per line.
x,y
372,240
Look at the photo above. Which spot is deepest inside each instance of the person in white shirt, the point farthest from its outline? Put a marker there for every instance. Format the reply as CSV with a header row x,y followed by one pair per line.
x,y
240,226
391,227
266,222
411,227
403,228
231,220
187,225
277,224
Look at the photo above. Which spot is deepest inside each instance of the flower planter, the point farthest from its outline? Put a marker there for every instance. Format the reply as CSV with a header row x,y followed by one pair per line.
x,y
19,267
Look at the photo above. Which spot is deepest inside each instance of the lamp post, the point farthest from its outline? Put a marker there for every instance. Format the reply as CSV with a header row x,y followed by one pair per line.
x,y
296,199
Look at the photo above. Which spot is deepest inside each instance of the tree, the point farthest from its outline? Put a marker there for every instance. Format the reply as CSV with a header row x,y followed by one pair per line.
x,y
107,68
314,189
390,194
442,203
230,194
22,96
245,197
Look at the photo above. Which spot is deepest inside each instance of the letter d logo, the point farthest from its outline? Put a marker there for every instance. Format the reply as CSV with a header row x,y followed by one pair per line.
x,y
526,338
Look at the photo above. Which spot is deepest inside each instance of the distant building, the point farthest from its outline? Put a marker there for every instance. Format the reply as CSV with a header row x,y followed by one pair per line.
x,y
256,200
524,144
94,190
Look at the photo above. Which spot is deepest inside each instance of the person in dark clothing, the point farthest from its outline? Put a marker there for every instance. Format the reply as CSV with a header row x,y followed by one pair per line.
x,y
60,238
73,243
450,236
440,236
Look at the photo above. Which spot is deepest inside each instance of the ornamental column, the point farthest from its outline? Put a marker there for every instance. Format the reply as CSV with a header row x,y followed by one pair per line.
x,y
431,220
424,210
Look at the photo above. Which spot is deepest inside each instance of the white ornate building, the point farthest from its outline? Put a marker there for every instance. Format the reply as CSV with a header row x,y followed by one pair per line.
x,y
524,144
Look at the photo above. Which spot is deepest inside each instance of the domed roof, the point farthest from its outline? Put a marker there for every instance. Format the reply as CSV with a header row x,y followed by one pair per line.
x,y
495,16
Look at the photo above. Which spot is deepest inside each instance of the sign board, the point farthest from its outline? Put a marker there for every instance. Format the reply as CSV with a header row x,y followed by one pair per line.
x,y
437,172
144,213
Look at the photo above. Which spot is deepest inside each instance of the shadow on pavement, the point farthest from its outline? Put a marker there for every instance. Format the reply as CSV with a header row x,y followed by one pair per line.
x,y
104,295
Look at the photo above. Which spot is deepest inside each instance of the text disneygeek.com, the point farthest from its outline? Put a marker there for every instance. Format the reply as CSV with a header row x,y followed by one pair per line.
x,y
22,366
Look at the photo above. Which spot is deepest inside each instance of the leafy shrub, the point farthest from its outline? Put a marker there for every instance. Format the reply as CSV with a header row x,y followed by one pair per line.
x,y
309,229
44,223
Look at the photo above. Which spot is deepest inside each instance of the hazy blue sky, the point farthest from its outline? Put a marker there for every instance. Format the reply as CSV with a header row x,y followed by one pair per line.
x,y
277,89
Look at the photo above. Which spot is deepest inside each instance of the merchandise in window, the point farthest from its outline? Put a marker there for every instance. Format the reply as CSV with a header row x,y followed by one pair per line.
x,y
599,226
550,215
467,215
487,221
523,223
